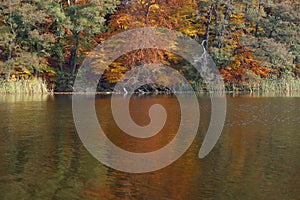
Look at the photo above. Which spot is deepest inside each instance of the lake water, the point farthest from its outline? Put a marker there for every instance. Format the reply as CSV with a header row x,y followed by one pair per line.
x,y
256,157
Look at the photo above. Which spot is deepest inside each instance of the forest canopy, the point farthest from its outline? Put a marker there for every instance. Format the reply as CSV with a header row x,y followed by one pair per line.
x,y
255,43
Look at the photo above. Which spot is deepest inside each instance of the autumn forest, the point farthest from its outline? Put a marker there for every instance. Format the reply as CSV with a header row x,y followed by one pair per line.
x,y
254,43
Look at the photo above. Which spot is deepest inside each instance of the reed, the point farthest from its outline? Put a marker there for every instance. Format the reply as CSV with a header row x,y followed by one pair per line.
x,y
282,85
24,86
289,86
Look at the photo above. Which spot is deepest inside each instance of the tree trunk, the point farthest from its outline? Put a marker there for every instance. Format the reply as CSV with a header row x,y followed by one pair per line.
x,y
246,20
35,72
217,21
271,32
9,51
256,29
60,65
208,27
60,55
147,13
35,69
223,28
149,4
257,23
73,57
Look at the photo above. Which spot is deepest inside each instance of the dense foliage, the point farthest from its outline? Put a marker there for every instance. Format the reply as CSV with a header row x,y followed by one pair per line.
x,y
255,43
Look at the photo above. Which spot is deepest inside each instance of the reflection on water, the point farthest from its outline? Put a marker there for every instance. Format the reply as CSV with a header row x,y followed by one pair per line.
x,y
22,98
257,156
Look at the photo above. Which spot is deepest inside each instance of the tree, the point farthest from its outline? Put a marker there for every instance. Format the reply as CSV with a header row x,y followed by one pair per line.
x,y
50,31
24,35
172,14
86,19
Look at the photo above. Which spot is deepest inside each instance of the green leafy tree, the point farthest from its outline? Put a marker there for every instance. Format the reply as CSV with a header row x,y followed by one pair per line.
x,y
86,19
23,25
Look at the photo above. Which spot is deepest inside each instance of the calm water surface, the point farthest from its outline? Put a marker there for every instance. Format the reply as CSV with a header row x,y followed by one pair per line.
x,y
257,156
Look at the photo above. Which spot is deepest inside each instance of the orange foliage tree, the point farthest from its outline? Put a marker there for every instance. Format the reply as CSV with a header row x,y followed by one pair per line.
x,y
172,14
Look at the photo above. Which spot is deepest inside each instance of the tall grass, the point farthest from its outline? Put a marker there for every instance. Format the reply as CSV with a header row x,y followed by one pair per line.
x,y
282,85
23,86
268,86
288,85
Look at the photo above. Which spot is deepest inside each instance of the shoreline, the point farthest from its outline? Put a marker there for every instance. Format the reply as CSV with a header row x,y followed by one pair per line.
x,y
226,93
